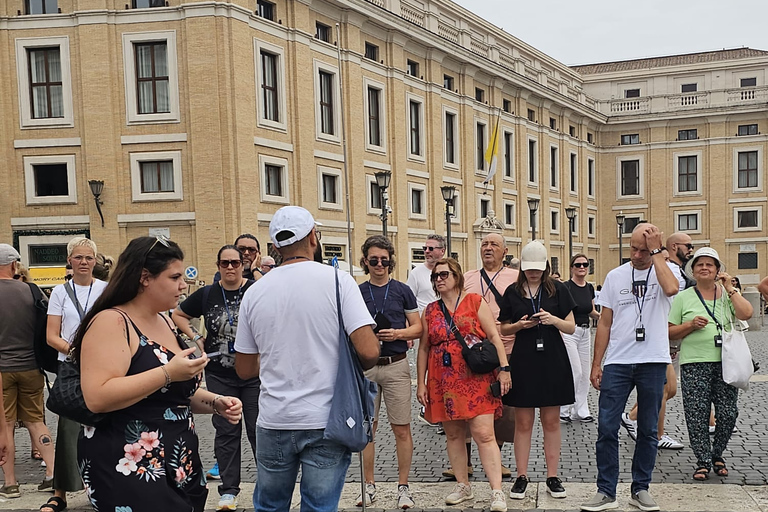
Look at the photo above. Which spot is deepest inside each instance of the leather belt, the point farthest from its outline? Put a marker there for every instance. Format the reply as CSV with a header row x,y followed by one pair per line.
x,y
384,361
583,326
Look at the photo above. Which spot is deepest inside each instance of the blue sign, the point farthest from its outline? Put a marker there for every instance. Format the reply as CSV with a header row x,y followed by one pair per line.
x,y
190,273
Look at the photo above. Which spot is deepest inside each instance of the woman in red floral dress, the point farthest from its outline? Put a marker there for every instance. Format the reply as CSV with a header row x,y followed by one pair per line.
x,y
449,391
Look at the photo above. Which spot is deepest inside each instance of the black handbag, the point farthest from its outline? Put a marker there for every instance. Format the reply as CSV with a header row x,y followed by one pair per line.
x,y
66,396
481,357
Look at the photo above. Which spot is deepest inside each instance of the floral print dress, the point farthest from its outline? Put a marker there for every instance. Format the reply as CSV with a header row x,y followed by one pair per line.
x,y
145,457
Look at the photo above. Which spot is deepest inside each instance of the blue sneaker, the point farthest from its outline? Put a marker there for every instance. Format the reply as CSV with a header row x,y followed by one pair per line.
x,y
213,473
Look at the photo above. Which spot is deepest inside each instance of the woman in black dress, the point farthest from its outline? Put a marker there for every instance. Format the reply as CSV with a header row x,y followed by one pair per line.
x,y
144,455
536,309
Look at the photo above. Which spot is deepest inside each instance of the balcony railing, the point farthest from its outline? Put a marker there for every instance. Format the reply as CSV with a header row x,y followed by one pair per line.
x,y
688,101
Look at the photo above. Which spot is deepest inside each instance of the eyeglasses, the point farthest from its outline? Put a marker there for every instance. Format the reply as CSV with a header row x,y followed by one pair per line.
x,y
159,239
268,266
374,262
245,249
428,248
228,263
688,246
80,258
440,275
580,265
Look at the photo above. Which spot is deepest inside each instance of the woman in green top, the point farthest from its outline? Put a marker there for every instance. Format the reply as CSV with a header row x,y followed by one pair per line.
x,y
698,317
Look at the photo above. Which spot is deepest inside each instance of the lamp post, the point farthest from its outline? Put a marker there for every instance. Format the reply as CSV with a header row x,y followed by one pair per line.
x,y
570,212
620,223
448,191
533,205
382,180
97,187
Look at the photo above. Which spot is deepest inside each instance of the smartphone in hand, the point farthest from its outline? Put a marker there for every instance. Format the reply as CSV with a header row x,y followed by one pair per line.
x,y
496,389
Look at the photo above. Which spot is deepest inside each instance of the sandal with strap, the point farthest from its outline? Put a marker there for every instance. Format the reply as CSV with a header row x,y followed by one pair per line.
x,y
701,474
54,504
719,466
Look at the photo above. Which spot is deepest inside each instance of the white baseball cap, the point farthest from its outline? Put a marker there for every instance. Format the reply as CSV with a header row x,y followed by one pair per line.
x,y
704,251
533,256
8,254
293,219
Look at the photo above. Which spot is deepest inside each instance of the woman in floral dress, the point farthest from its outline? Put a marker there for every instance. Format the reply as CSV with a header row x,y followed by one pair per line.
x,y
144,455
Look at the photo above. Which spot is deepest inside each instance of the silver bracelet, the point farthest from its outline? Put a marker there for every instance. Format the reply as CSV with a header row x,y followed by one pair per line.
x,y
167,377
213,405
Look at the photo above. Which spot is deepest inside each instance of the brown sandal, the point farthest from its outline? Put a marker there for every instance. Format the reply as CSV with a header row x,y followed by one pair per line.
x,y
701,474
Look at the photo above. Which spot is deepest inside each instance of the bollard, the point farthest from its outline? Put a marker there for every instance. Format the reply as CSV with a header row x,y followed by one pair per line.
x,y
753,296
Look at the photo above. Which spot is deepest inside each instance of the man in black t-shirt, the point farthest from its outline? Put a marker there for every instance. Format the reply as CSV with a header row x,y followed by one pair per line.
x,y
395,311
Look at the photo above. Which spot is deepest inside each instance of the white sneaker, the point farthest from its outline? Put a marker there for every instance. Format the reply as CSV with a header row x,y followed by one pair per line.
x,y
668,443
460,494
370,495
227,502
404,499
498,501
629,425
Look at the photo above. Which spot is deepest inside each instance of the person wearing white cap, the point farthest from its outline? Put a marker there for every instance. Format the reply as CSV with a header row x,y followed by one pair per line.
x,y
537,309
288,335
698,317
632,335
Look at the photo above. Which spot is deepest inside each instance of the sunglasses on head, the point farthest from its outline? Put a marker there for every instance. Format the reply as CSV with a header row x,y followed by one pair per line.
x,y
228,263
440,275
581,265
428,248
159,239
374,262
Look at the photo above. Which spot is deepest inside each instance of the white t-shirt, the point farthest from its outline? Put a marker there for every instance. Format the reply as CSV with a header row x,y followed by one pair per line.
x,y
421,285
290,318
61,305
617,294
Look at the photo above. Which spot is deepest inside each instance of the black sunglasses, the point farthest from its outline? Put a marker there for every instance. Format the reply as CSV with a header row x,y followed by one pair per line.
x,y
442,275
268,266
227,263
374,262
581,265
245,249
428,248
688,246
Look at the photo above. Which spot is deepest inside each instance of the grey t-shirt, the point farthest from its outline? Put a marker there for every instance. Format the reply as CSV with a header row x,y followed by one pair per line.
x,y
17,327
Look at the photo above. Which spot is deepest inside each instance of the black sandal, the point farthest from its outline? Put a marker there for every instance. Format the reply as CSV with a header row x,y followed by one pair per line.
x,y
719,466
701,474
55,504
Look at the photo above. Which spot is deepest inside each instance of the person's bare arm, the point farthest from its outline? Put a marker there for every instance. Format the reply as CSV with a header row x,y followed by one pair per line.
x,y
763,288
182,321
602,337
3,430
594,314
247,366
53,334
367,346
422,358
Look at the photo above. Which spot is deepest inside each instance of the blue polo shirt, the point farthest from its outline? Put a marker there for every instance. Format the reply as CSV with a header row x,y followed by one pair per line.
x,y
399,301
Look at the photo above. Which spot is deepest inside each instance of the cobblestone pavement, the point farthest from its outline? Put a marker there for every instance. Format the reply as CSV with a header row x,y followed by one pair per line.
x,y
745,455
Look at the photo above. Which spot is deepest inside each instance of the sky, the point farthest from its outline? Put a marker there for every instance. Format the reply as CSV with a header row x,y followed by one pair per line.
x,y
590,31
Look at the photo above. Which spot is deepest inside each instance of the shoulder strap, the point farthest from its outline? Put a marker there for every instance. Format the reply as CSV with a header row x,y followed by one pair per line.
x,y
338,299
491,286
37,294
135,327
73,298
454,329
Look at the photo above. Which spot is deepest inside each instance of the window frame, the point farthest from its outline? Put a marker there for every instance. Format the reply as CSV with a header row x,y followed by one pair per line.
x,y
449,81
382,119
573,173
591,226
412,68
422,189
481,145
532,161
130,39
740,209
641,176
554,166
554,221
456,144
687,133
279,53
265,160
508,155
676,170
320,26
747,149
28,10
29,179
631,138
699,218
137,196
26,120
751,78
371,51
335,137
321,202
591,178
270,5
632,93
370,181
508,204
748,128
410,155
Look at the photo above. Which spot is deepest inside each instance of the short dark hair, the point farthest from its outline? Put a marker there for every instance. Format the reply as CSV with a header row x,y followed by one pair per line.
x,y
250,236
380,242
229,247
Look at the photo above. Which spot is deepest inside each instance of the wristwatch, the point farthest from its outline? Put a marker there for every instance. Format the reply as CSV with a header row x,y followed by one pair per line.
x,y
655,252
504,369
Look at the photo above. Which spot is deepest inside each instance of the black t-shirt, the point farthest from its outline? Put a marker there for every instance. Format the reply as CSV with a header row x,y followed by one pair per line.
x,y
582,296
515,306
220,322
399,301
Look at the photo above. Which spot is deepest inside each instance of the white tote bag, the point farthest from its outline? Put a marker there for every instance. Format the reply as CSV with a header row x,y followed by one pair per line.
x,y
737,359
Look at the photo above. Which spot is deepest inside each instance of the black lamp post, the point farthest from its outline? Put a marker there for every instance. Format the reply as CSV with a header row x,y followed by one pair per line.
x,y
97,187
382,180
620,223
448,191
570,212
533,205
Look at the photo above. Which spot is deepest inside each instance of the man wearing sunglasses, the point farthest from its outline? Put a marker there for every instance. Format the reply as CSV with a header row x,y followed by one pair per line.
x,y
419,278
250,248
393,307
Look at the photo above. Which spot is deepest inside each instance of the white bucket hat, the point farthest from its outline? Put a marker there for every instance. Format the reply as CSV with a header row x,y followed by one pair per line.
x,y
704,251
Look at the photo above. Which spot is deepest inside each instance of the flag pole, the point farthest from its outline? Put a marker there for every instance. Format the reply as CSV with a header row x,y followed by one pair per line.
x,y
346,170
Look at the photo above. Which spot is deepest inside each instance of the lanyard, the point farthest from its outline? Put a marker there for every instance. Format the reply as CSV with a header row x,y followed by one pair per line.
x,y
714,308
536,306
87,300
231,317
386,292
641,304
482,291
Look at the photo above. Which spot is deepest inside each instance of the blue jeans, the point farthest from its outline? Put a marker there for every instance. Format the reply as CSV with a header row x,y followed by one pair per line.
x,y
618,382
323,465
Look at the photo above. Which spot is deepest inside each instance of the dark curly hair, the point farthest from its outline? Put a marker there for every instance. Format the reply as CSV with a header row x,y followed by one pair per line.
x,y
380,242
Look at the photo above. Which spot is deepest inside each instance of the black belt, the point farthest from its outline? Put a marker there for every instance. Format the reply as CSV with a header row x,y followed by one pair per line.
x,y
584,326
384,361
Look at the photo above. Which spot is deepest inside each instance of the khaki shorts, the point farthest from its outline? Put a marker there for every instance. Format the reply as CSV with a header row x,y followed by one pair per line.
x,y
23,396
394,381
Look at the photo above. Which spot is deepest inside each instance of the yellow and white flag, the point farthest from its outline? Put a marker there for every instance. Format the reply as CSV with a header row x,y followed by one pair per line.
x,y
492,153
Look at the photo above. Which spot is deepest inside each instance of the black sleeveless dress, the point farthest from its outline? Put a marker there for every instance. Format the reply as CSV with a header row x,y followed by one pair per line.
x,y
145,457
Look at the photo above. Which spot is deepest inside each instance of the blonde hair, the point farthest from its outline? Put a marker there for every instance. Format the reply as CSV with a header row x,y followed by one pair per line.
x,y
103,265
81,241
22,272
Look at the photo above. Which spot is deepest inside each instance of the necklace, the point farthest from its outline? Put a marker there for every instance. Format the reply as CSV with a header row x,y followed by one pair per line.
x,y
286,260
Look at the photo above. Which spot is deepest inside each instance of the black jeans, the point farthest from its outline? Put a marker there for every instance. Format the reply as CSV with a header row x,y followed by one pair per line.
x,y
226,445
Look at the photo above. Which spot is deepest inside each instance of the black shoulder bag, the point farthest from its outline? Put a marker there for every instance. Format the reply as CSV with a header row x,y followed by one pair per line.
x,y
481,357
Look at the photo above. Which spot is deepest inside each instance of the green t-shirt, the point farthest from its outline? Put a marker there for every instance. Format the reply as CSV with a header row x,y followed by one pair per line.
x,y
699,346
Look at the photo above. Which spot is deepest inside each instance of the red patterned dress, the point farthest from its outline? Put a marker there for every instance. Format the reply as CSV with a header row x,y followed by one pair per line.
x,y
455,393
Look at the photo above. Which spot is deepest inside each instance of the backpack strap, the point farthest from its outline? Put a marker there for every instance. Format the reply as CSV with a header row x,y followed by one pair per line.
x,y
206,294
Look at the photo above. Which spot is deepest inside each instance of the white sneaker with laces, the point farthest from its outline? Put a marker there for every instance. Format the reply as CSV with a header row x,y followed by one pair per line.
x,y
460,494
370,495
668,443
498,501
227,502
629,425
404,500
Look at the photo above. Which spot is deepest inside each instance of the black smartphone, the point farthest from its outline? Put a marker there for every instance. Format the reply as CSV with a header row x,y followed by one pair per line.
x,y
496,389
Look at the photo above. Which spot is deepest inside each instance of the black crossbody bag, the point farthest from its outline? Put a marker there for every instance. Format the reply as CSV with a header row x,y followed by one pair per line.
x,y
481,357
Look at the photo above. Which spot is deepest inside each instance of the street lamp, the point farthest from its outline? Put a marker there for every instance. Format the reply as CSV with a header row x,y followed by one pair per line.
x,y
620,223
533,205
570,212
382,180
449,192
97,187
